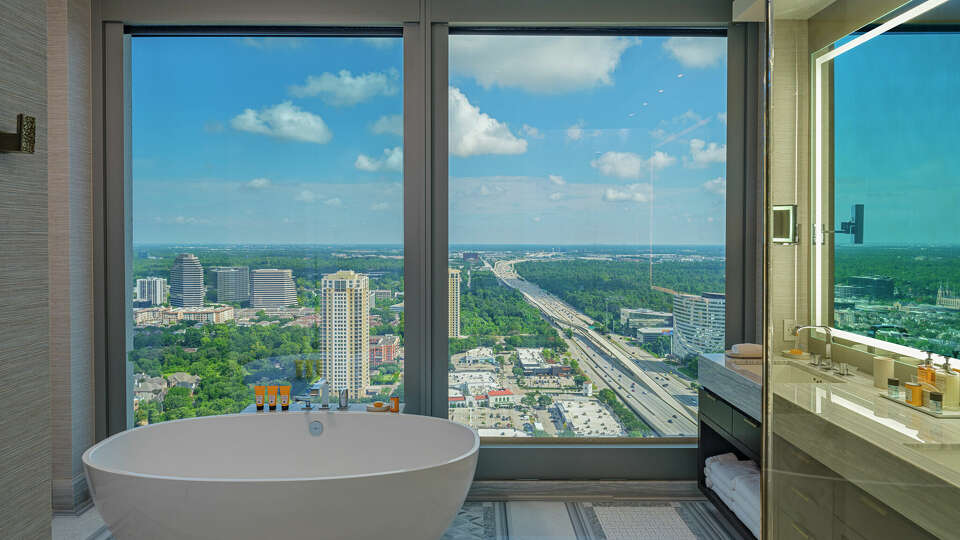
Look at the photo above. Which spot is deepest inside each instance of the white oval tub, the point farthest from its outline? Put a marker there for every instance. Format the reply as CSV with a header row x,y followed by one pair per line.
x,y
367,475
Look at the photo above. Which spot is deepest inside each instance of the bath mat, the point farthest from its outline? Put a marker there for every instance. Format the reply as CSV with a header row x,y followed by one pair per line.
x,y
479,521
687,520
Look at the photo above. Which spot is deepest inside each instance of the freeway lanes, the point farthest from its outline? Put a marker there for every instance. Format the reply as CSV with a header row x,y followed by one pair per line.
x,y
655,405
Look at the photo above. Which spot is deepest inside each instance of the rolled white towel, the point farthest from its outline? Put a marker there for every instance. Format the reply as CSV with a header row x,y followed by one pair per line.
x,y
709,482
753,525
729,456
747,488
748,349
725,473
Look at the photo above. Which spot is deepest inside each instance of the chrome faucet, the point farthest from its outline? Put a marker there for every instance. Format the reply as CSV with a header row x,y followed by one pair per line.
x,y
827,358
320,388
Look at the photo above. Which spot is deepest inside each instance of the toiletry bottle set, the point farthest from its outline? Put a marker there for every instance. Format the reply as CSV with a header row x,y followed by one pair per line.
x,y
937,389
271,395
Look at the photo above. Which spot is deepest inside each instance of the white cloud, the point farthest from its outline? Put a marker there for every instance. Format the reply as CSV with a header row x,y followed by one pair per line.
x,y
344,88
531,132
555,196
380,42
575,132
628,165
380,206
492,189
473,133
703,154
333,202
558,180
259,183
696,52
639,193
284,121
181,220
722,116
273,42
392,160
540,64
717,186
306,196
392,124
537,219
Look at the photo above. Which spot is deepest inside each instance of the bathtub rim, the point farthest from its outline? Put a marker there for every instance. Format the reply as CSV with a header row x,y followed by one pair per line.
x,y
85,458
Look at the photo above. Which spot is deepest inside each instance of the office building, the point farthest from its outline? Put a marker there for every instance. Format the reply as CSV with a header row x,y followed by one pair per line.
x,y
947,298
453,300
186,281
233,284
345,330
878,287
698,323
272,288
152,290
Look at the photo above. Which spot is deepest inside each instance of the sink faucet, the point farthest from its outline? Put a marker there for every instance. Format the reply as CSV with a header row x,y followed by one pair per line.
x,y
829,342
320,388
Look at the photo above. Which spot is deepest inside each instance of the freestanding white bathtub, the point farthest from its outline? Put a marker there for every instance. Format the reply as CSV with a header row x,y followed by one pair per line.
x,y
256,476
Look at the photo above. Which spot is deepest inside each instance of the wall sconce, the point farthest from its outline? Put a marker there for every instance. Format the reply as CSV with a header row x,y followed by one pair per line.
x,y
24,140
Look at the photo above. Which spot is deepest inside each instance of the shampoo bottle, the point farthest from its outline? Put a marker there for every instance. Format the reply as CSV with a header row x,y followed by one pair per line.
x,y
926,373
950,387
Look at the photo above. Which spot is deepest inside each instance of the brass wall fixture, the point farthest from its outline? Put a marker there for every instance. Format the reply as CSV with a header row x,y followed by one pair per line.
x,y
24,140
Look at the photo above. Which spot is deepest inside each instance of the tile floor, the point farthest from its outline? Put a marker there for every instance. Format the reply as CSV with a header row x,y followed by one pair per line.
x,y
531,520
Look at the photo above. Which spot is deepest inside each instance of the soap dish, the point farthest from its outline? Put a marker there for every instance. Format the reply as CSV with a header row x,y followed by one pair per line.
x,y
371,408
801,356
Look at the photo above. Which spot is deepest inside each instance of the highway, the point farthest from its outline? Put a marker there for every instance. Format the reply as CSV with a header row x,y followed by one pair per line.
x,y
656,405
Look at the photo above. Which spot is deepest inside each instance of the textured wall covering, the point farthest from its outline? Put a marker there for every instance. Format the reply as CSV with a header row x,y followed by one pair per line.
x,y
70,243
24,313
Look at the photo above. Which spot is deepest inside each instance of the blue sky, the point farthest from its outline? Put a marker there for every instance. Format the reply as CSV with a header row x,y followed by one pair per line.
x,y
554,140
898,125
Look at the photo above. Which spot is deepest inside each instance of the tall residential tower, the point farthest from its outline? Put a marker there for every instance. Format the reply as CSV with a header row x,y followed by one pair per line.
x,y
453,303
233,283
186,281
345,330
152,290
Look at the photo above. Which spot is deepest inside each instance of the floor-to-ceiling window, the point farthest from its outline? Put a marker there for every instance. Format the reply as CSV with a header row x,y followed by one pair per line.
x,y
586,227
267,217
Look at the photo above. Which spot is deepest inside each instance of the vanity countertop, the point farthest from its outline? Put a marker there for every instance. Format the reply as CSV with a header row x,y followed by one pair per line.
x,y
906,458
738,384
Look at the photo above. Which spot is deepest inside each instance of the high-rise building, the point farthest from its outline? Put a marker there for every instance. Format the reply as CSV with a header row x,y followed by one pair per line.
x,y
453,300
233,283
186,281
152,290
272,288
345,330
698,323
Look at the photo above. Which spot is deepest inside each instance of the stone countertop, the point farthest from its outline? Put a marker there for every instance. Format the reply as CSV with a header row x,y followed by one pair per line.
x,y
903,457
738,384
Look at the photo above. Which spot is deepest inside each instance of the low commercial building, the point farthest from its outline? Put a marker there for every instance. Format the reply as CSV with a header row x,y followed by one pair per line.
x,y
532,362
383,349
161,316
479,355
471,383
649,335
643,317
501,432
502,398
588,418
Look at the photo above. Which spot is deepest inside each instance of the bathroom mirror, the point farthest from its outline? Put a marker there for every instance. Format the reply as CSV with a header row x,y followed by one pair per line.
x,y
783,223
885,125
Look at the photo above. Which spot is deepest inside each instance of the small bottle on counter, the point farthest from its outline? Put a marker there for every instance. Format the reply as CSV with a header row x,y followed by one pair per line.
x,y
893,388
914,393
936,402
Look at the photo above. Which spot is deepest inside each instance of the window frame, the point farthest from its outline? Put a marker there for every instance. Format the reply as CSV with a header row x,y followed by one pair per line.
x,y
425,27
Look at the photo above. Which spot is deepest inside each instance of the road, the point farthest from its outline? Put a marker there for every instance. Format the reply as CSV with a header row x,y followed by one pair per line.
x,y
656,405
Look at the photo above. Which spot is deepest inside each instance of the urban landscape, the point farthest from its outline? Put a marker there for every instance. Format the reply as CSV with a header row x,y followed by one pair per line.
x,y
523,362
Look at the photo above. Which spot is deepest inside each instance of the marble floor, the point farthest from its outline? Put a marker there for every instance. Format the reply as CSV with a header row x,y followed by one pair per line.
x,y
531,520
